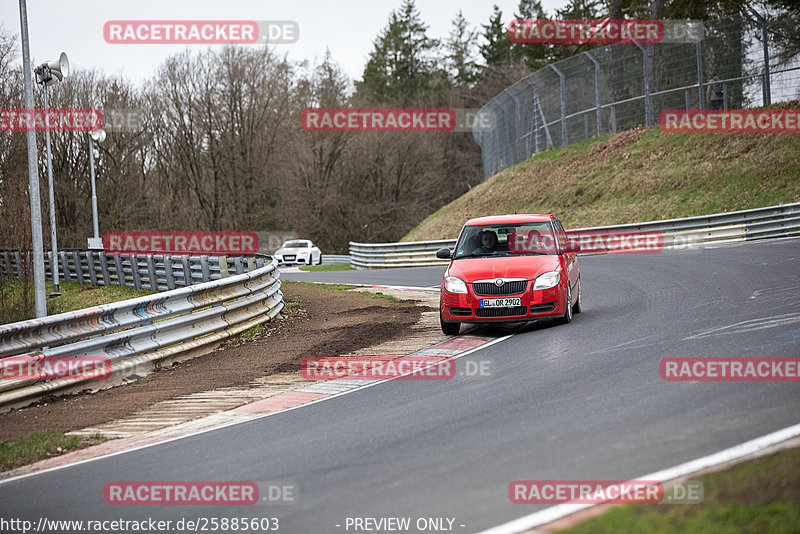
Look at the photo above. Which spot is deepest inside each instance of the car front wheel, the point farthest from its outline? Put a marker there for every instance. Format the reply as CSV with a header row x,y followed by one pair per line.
x,y
567,317
578,307
449,328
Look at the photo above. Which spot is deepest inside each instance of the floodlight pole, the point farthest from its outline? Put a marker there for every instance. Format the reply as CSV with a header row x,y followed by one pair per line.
x,y
53,241
95,224
40,299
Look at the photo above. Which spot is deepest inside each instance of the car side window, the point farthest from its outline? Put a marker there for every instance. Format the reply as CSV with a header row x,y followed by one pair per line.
x,y
562,235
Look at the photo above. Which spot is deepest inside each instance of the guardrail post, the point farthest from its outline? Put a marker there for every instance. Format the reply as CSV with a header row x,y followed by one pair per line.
x,y
151,272
120,270
90,264
187,271
223,266
237,262
168,274
47,262
104,268
7,263
64,263
137,282
205,269
251,263
76,257
19,265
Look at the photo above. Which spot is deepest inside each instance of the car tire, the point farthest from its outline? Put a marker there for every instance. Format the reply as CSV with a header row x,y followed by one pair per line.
x,y
578,307
320,259
567,317
310,259
449,328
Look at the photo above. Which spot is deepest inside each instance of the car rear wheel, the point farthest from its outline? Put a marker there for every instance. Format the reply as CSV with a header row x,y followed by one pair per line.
x,y
567,317
449,328
578,307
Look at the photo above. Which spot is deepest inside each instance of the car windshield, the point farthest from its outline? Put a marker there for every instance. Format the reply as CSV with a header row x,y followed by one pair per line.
x,y
295,244
523,239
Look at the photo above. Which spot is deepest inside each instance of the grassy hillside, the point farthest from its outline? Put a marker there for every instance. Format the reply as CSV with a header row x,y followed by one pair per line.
x,y
637,175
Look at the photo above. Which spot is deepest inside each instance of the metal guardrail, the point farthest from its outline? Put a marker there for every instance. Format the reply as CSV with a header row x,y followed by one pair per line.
x,y
155,272
327,259
761,223
135,334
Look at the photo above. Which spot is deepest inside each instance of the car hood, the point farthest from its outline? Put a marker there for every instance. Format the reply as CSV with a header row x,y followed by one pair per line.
x,y
528,267
292,250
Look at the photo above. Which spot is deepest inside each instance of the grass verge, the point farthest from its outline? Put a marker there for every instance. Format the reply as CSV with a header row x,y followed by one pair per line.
x,y
328,267
329,287
41,445
16,298
760,495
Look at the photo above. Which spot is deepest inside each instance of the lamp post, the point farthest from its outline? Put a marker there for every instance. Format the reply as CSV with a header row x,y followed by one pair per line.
x,y
40,298
98,136
48,74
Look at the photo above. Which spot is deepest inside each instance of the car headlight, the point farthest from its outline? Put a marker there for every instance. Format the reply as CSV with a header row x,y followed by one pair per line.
x,y
547,280
453,284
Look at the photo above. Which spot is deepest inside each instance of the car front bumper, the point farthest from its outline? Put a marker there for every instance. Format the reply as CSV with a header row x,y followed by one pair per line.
x,y
466,308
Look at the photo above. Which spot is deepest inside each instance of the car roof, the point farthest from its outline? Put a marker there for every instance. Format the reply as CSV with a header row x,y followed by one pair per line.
x,y
510,219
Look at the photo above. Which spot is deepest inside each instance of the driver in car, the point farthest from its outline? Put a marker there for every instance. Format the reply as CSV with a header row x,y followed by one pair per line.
x,y
489,242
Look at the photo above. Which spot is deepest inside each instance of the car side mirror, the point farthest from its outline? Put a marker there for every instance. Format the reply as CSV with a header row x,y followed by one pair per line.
x,y
443,253
572,246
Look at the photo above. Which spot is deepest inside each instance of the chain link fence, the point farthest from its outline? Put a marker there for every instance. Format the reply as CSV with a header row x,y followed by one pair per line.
x,y
612,88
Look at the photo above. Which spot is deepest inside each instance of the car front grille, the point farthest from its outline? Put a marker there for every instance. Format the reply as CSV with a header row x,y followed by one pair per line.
x,y
501,312
462,312
509,288
541,308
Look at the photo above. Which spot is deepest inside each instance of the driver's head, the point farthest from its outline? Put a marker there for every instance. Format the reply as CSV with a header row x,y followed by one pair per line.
x,y
489,239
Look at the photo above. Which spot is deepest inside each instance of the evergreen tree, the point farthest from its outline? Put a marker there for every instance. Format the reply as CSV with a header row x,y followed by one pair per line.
x,y
497,49
460,59
402,63
535,55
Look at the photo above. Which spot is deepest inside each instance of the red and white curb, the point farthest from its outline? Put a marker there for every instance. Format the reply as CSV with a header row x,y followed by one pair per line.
x,y
318,392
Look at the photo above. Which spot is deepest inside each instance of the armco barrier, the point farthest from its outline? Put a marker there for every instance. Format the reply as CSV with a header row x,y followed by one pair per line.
x,y
135,334
327,259
155,272
760,223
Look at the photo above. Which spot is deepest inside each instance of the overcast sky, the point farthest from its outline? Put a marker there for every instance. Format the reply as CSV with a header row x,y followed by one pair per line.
x,y
347,27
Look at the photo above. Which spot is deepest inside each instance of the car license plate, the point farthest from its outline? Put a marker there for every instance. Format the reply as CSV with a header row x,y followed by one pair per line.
x,y
501,303
288,258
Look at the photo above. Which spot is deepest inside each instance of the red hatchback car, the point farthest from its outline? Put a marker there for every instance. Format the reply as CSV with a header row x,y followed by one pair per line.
x,y
510,268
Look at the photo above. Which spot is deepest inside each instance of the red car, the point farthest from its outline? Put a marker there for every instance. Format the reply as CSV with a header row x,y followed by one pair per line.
x,y
510,268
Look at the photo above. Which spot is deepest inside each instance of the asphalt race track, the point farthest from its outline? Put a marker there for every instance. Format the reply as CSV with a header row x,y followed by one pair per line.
x,y
578,401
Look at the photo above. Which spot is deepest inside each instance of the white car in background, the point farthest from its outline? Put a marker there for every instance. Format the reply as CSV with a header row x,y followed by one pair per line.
x,y
299,251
